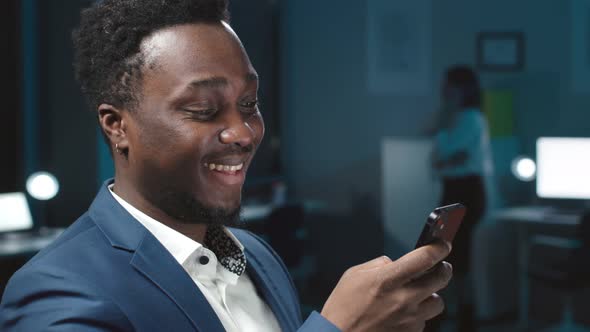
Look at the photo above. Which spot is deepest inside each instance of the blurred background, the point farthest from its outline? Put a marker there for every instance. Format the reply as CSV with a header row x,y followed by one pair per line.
x,y
368,130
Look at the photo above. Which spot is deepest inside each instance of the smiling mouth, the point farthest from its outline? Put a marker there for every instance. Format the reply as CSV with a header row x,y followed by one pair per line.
x,y
225,169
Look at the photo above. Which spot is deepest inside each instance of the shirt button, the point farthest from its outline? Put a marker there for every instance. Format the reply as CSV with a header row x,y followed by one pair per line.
x,y
204,260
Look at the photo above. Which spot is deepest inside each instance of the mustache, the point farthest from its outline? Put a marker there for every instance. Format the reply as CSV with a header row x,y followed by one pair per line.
x,y
232,150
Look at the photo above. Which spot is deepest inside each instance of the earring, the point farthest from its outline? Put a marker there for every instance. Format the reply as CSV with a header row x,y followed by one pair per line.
x,y
117,148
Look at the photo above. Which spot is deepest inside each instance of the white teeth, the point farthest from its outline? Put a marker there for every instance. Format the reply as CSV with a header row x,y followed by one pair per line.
x,y
225,168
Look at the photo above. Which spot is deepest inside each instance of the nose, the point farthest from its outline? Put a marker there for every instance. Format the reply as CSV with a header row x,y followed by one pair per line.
x,y
237,131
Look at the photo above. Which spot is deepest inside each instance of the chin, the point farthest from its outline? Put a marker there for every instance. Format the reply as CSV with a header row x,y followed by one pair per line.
x,y
221,202
190,209
224,208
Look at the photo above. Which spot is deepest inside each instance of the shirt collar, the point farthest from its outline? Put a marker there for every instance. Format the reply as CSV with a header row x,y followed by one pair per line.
x,y
227,248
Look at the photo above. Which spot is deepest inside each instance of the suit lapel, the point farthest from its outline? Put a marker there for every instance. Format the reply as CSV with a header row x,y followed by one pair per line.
x,y
260,270
152,260
269,292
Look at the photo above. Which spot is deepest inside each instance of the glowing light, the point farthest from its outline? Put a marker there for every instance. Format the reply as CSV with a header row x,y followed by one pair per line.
x,y
42,186
524,168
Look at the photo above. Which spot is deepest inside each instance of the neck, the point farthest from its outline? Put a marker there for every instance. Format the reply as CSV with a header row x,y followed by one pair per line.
x,y
127,191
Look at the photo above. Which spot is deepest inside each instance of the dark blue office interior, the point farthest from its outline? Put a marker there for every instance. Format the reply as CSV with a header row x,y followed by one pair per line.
x,y
376,113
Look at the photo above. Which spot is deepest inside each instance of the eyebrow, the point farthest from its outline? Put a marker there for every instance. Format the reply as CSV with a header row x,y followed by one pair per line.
x,y
218,82
212,82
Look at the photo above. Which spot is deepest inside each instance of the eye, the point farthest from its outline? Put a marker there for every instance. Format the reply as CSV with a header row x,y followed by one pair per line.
x,y
250,106
202,114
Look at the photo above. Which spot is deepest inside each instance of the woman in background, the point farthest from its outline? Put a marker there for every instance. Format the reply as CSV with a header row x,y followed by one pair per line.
x,y
462,158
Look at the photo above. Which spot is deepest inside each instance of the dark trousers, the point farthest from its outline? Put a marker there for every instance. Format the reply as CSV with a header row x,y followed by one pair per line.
x,y
469,191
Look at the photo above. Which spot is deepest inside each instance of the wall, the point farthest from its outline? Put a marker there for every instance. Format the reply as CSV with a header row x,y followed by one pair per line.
x,y
67,128
333,126
11,174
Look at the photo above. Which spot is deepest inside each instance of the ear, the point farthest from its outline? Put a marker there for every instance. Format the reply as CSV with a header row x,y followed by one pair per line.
x,y
113,122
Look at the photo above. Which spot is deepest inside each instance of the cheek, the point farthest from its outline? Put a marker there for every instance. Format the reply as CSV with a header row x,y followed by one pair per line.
x,y
257,125
171,144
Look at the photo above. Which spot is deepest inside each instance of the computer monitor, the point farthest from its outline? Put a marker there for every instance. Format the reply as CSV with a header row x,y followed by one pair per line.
x,y
563,168
14,213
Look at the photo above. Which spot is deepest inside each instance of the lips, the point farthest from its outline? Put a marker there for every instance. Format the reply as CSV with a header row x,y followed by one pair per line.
x,y
224,168
229,170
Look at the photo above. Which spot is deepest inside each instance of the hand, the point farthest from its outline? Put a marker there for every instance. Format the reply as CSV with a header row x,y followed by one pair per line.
x,y
385,295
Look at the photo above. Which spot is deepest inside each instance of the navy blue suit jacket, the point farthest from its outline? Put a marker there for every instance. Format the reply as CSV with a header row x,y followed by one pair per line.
x,y
107,272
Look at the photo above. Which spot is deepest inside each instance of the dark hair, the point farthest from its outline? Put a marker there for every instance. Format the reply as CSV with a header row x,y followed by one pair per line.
x,y
108,62
466,79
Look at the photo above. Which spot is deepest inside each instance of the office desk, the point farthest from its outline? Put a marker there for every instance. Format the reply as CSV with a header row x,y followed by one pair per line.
x,y
17,248
257,212
527,221
22,244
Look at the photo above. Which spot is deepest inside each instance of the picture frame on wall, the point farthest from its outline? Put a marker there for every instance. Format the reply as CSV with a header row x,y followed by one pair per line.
x,y
399,47
500,51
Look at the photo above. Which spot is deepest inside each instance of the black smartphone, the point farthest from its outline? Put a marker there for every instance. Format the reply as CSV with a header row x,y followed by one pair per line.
x,y
443,223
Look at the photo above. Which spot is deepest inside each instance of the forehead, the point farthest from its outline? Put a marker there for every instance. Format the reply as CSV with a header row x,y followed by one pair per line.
x,y
185,52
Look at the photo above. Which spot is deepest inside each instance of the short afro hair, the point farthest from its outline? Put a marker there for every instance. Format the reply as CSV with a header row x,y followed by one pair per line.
x,y
107,43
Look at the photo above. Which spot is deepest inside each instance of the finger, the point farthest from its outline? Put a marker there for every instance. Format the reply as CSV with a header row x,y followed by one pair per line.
x,y
431,307
431,282
415,263
377,262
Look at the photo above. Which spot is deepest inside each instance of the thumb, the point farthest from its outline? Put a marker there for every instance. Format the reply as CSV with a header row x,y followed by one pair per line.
x,y
377,262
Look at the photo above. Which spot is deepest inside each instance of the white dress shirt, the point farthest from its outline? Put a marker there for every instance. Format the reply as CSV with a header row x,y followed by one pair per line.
x,y
232,295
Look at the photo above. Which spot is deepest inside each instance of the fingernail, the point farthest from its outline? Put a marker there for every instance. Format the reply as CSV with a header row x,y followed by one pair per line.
x,y
449,245
449,265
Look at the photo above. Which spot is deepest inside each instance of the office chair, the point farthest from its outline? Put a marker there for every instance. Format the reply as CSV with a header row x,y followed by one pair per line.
x,y
563,264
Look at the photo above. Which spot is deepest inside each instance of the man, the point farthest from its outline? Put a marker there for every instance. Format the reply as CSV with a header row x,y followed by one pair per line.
x,y
176,97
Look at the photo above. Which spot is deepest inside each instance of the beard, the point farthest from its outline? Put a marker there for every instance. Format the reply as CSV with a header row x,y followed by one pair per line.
x,y
186,209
